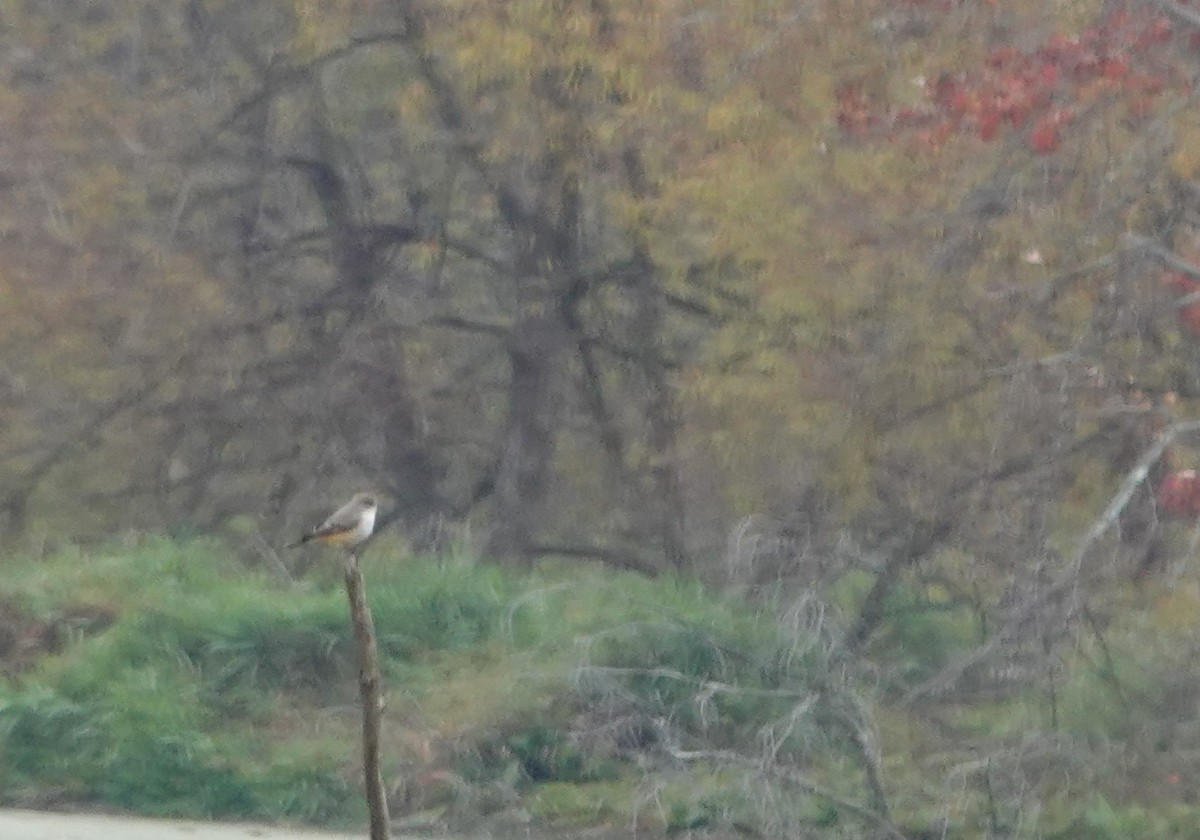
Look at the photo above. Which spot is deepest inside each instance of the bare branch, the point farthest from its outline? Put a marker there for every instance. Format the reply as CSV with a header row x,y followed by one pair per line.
x,y
1164,255
952,672
1182,13
707,686
455,322
610,557
283,79
794,778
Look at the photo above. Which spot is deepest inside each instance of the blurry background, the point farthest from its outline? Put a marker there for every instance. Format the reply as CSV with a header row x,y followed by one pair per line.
x,y
658,284
859,311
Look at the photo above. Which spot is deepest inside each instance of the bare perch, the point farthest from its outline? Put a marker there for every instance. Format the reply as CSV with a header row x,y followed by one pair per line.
x,y
370,687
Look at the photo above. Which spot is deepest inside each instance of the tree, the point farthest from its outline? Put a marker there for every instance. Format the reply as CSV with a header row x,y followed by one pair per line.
x,y
879,304
380,266
497,167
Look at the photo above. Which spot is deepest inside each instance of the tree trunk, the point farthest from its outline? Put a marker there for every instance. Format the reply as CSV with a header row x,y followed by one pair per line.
x,y
926,536
666,504
528,445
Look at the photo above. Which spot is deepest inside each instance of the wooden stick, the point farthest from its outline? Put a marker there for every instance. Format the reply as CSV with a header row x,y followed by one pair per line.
x,y
370,687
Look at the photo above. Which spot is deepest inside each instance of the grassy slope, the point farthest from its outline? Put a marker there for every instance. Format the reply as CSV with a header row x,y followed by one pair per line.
x,y
185,684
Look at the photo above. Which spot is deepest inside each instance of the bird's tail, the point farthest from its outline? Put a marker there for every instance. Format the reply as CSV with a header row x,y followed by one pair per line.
x,y
299,542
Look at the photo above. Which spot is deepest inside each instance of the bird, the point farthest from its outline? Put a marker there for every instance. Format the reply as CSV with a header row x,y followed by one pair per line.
x,y
348,526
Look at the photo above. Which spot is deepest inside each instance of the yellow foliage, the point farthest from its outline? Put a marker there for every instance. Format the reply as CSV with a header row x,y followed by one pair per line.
x,y
321,25
1185,162
1179,608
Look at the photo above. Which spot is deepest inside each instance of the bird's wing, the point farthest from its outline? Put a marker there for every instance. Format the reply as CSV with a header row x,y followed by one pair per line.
x,y
344,518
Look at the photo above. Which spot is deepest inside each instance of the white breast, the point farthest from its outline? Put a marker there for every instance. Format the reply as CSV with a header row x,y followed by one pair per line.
x,y
366,524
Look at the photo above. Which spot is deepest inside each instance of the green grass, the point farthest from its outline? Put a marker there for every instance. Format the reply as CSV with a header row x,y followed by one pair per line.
x,y
164,712
578,695
216,691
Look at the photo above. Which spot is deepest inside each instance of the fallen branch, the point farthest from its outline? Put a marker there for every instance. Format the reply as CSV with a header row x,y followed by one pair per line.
x,y
797,780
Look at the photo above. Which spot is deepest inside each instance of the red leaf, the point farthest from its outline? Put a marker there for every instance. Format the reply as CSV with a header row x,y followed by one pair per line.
x,y
1189,319
1140,106
1001,56
989,125
948,93
1114,67
1048,74
1189,314
1045,137
1179,281
1059,44
1179,493
1158,30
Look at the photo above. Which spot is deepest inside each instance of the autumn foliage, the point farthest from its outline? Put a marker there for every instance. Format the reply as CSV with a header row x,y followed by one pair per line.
x,y
857,305
1188,314
1037,90
1179,493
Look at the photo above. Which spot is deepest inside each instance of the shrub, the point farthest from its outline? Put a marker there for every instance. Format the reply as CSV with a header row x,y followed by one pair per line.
x,y
704,666
136,741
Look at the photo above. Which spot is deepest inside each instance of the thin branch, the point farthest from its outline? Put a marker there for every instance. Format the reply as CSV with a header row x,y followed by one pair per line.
x,y
609,556
272,560
283,79
454,322
1056,286
952,672
796,779
707,686
1164,255
470,251
82,436
1182,13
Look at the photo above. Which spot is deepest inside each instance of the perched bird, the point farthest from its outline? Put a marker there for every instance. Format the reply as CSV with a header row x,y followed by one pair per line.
x,y
347,526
